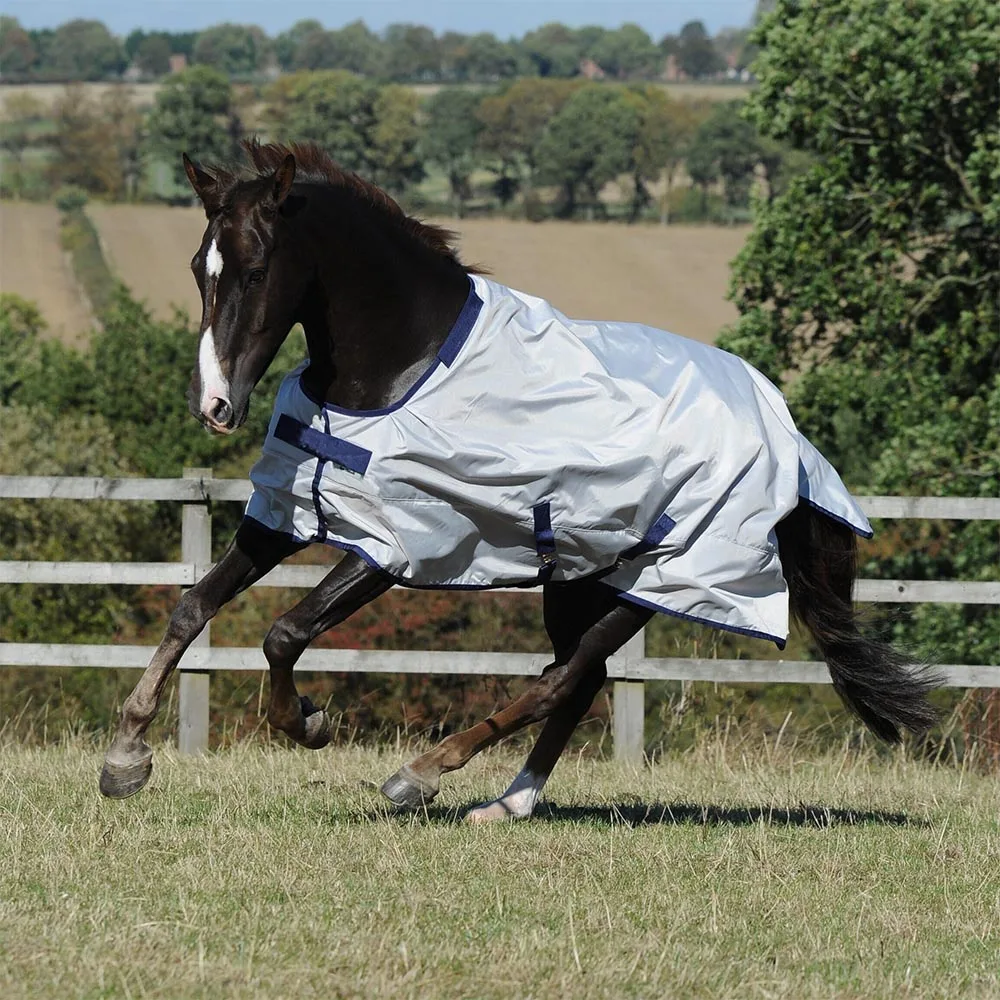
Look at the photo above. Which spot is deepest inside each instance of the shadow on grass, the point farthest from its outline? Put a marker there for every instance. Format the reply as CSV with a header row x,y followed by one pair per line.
x,y
635,814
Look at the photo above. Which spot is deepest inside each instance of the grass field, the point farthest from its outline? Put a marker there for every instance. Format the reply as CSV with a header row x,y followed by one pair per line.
x,y
672,276
33,265
734,871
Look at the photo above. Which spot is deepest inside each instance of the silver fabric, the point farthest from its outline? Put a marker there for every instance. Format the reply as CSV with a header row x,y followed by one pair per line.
x,y
604,427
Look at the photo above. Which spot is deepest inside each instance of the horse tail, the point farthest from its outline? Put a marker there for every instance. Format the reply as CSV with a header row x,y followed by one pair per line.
x,y
884,688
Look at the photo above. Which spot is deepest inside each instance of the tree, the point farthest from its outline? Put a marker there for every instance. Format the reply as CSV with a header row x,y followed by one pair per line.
x,y
589,143
287,44
412,53
194,113
395,152
664,131
358,49
726,147
84,50
153,54
480,58
18,55
695,53
451,132
333,108
626,52
869,286
515,120
554,50
233,49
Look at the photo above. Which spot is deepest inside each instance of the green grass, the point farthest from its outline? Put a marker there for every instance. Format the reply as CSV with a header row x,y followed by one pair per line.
x,y
729,871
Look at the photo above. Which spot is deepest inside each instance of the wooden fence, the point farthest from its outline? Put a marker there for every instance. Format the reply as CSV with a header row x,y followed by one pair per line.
x,y
629,669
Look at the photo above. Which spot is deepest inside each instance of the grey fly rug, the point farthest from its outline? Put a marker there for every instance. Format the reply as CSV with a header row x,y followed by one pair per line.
x,y
541,448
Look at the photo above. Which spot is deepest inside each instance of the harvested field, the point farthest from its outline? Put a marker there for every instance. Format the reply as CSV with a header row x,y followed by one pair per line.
x,y
33,265
673,277
739,870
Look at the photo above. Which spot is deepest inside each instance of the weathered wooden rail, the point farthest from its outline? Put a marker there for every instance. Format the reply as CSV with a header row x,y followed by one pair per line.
x,y
629,669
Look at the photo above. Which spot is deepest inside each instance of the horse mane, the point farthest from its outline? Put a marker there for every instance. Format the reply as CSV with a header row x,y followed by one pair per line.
x,y
314,165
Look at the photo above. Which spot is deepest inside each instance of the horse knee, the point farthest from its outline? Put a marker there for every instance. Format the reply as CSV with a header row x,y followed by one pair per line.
x,y
283,642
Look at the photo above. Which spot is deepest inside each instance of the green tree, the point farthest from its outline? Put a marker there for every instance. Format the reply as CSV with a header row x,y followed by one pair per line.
x,y
726,147
627,52
870,284
395,152
695,52
333,108
21,325
412,53
515,120
233,49
589,143
84,50
451,133
287,44
153,54
18,55
194,113
554,50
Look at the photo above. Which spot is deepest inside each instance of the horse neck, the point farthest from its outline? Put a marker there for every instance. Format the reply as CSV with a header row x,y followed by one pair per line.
x,y
381,304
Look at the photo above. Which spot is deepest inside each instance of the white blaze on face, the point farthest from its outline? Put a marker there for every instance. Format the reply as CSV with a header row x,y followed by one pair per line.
x,y
214,385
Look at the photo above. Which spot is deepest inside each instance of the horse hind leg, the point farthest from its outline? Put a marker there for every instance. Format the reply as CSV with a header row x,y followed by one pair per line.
x,y
129,760
587,623
519,800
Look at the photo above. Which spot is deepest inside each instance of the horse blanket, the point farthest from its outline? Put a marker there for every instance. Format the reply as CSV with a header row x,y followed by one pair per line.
x,y
541,448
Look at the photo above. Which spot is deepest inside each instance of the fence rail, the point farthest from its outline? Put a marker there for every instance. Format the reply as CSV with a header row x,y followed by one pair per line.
x,y
629,669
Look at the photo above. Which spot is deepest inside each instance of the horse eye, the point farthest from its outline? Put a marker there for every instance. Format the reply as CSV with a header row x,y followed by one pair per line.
x,y
256,276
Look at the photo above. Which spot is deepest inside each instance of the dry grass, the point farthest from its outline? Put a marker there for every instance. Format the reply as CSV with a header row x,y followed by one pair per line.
x,y
731,872
33,264
673,277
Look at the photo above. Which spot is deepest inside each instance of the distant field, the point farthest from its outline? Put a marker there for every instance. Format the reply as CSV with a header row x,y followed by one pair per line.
x,y
673,277
145,93
33,265
737,870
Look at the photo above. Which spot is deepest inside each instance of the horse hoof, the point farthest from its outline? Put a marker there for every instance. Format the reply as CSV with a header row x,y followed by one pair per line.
x,y
119,780
406,790
318,731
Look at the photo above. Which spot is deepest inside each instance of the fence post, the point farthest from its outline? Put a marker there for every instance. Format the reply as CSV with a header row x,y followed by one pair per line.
x,y
196,547
628,707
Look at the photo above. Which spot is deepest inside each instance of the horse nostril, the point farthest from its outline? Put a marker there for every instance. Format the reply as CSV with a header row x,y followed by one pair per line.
x,y
221,412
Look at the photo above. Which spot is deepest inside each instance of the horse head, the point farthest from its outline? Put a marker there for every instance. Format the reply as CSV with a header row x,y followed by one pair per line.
x,y
250,283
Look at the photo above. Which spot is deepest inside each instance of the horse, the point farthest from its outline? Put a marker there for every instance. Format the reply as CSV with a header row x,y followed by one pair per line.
x,y
625,470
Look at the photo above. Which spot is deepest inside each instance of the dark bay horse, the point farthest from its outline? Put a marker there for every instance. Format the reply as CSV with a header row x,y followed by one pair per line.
x,y
294,239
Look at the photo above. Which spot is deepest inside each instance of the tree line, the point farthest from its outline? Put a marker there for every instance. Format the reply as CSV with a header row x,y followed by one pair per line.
x,y
86,50
535,146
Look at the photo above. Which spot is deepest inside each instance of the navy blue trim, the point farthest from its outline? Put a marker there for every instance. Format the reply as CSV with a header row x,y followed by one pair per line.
x,y
446,356
325,447
658,530
459,334
752,633
545,540
837,518
274,531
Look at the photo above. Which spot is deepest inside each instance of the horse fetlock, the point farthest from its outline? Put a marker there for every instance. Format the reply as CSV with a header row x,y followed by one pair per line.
x,y
408,790
126,770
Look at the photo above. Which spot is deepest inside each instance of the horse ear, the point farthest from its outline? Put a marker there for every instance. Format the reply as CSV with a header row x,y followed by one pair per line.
x,y
205,185
284,177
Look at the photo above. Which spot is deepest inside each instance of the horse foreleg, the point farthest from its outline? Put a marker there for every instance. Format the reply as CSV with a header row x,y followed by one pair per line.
x,y
518,802
418,782
349,586
252,554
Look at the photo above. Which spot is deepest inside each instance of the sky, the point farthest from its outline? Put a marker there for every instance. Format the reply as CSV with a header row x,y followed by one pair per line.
x,y
504,18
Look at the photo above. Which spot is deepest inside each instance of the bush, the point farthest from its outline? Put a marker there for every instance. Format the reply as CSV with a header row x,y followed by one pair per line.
x,y
70,198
